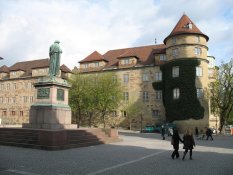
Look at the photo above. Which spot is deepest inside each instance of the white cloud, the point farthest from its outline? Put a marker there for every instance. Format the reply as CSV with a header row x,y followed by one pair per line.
x,y
28,28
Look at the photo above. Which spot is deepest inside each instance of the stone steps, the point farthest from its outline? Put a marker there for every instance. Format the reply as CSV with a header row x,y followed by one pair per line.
x,y
53,139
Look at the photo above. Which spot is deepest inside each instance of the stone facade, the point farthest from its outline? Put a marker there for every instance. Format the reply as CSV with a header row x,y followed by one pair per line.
x,y
17,91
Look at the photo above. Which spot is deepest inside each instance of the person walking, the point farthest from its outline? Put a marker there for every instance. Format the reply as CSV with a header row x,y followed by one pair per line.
x,y
163,132
209,134
175,142
188,143
196,132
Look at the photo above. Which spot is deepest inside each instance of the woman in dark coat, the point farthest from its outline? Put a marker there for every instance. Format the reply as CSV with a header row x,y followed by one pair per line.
x,y
175,142
188,143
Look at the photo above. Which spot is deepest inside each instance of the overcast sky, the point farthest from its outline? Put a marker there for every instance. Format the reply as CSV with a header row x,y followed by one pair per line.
x,y
29,27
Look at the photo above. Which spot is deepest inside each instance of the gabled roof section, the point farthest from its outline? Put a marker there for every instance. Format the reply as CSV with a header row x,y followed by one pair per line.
x,y
4,69
95,56
65,69
183,27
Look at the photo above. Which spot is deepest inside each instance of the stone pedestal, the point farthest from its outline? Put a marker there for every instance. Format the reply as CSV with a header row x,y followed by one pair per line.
x,y
51,109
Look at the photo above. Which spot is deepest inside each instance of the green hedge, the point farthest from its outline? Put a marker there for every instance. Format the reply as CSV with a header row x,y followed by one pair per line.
x,y
187,106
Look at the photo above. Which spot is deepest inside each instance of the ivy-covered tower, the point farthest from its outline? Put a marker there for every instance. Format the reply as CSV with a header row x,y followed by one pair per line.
x,y
185,76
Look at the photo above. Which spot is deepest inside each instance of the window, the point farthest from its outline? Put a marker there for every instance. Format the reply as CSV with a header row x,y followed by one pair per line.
x,y
114,114
155,113
126,61
124,114
8,86
126,78
1,100
162,57
2,86
174,40
175,71
14,85
145,96
7,100
13,99
198,71
20,113
31,99
158,76
197,51
197,39
12,113
174,52
199,93
176,93
25,99
96,64
125,96
158,95
14,73
3,113
145,77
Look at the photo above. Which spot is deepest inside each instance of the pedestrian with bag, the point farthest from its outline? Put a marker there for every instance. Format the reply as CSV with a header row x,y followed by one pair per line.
x,y
188,143
175,142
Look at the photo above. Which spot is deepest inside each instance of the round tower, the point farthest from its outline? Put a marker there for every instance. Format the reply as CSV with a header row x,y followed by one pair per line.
x,y
186,73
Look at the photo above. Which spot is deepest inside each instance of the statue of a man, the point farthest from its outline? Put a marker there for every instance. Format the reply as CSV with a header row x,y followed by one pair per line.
x,y
55,55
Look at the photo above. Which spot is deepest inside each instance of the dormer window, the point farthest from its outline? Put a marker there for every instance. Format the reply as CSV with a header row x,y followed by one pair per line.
x,y
86,65
190,26
96,64
126,61
162,57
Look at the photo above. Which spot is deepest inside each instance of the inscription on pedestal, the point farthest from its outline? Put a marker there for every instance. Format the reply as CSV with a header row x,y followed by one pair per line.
x,y
43,93
60,94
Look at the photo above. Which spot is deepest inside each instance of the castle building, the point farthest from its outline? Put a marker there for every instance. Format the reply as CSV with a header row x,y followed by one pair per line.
x,y
17,91
171,79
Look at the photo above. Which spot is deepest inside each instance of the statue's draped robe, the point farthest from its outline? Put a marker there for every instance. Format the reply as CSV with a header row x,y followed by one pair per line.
x,y
55,54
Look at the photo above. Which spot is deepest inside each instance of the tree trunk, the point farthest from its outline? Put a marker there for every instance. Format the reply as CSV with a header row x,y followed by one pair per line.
x,y
90,119
79,118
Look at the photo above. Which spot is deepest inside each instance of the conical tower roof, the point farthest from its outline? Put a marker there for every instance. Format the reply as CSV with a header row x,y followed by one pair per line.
x,y
185,26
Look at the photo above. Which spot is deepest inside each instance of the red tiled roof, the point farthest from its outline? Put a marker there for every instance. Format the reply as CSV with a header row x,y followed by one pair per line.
x,y
128,53
4,69
181,28
95,56
27,66
65,69
144,54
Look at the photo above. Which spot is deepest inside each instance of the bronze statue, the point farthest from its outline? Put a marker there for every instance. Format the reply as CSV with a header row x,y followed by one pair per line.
x,y
55,55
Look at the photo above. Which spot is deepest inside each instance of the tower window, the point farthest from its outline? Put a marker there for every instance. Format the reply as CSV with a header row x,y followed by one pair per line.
x,y
174,40
175,71
199,93
175,52
197,51
176,93
197,39
198,71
